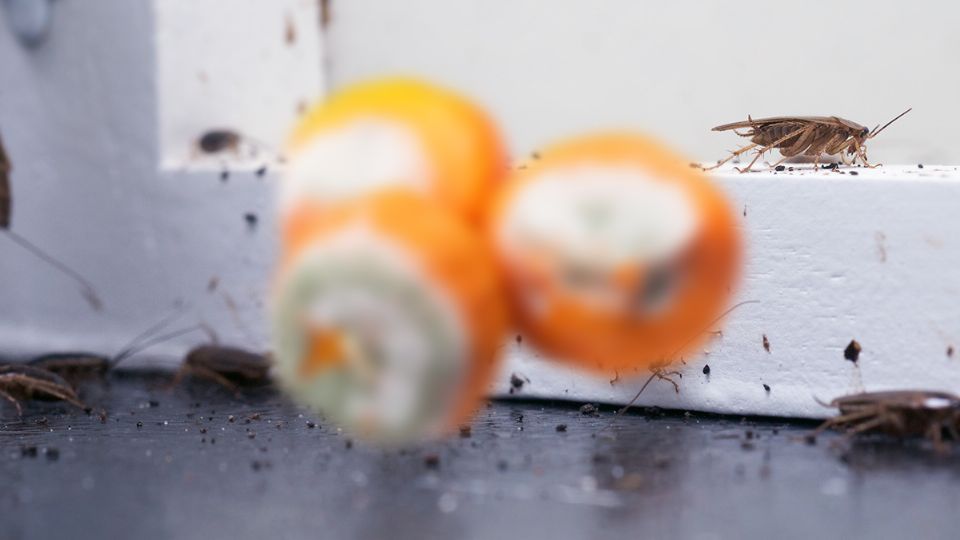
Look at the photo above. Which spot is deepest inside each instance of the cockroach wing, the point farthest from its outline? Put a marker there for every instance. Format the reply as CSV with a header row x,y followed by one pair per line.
x,y
758,122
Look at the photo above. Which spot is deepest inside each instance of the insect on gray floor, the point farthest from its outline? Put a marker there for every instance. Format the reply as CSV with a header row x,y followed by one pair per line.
x,y
230,367
900,413
815,137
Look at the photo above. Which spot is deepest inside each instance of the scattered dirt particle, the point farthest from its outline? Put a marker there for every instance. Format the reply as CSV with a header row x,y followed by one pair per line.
x,y
432,461
852,352
310,424
218,140
153,403
748,434
252,435
881,240
203,430
706,369
251,220
766,343
28,451
519,339
290,32
231,419
919,165
213,284
780,168
502,465
561,428
348,444
224,175
589,409
746,445
854,173
52,453
139,425
517,381
466,431
810,439
261,171
766,387
950,351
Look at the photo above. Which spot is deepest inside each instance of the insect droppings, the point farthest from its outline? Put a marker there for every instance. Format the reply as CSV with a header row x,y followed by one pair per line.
x,y
706,369
852,352
766,387
766,343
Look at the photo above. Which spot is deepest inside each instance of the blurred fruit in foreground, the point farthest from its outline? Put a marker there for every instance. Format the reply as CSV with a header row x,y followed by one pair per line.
x,y
394,132
388,315
617,253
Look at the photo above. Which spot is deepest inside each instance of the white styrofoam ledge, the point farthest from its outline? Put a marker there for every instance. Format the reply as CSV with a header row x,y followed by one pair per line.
x,y
830,257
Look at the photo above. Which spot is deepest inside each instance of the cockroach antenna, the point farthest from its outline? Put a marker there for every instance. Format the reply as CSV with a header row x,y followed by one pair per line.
x,y
875,131
87,290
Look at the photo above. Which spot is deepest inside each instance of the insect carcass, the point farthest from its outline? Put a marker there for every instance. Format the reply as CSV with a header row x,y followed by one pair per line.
x,y
811,136
901,413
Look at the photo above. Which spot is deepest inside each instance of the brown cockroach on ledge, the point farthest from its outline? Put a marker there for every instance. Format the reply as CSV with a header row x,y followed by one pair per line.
x,y
901,413
21,382
810,136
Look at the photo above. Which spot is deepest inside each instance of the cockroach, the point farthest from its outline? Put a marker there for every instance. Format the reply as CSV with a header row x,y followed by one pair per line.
x,y
811,136
900,413
6,213
75,365
20,382
231,367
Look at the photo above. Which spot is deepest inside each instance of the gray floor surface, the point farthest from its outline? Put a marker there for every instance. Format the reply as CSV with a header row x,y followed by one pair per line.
x,y
196,462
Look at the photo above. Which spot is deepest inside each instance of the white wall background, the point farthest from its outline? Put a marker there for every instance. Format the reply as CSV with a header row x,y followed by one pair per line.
x,y
675,68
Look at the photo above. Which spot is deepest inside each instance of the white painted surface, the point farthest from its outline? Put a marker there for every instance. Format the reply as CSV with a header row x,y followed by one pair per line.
x,y
831,258
552,69
247,65
87,118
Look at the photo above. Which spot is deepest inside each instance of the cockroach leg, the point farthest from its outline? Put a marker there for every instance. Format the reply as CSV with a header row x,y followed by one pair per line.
x,y
838,421
200,371
13,400
659,373
732,155
774,144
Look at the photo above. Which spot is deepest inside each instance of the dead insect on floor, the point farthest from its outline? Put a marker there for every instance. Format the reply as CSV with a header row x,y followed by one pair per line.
x,y
816,137
900,413
20,383
229,366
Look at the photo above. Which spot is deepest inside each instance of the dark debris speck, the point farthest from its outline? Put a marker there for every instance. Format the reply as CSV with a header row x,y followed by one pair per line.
x,y
766,387
780,168
852,352
561,428
589,409
706,369
432,461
